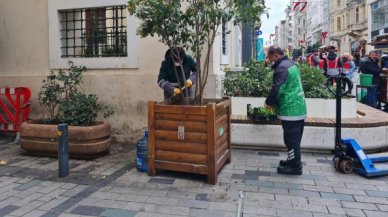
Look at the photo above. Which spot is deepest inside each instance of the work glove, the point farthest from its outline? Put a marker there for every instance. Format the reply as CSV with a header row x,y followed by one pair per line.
x,y
189,83
177,91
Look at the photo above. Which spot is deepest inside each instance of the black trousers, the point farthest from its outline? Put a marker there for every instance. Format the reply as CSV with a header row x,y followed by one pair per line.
x,y
292,136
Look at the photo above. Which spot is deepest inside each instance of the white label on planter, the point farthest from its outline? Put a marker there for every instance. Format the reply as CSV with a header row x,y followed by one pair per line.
x,y
181,132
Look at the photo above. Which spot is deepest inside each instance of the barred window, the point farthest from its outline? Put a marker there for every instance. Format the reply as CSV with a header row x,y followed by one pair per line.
x,y
93,32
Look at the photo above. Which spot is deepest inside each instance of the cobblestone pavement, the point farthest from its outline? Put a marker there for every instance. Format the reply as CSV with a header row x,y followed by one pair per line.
x,y
110,186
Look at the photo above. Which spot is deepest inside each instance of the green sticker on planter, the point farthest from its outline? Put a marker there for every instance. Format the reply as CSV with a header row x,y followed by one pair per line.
x,y
221,131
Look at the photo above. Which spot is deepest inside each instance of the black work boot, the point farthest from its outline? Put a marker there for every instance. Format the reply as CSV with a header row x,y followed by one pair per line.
x,y
283,163
291,168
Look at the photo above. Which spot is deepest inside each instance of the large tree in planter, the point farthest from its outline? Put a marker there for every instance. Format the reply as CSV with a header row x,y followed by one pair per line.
x,y
193,24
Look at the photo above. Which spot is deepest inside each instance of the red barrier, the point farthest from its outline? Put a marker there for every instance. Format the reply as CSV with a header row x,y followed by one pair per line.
x,y
14,107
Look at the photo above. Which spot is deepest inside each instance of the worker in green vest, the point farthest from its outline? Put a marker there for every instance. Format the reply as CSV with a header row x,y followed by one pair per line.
x,y
287,98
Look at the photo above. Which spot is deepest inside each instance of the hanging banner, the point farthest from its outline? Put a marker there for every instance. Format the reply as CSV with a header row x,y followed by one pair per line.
x,y
260,49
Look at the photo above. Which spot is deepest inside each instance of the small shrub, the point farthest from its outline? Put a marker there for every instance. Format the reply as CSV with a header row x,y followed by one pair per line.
x,y
256,81
65,103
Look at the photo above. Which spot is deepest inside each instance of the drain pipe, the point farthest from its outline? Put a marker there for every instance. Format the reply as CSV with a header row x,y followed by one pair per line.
x,y
240,204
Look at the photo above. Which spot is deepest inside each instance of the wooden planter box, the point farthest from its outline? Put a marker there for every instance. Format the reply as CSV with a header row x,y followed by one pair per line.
x,y
84,142
194,139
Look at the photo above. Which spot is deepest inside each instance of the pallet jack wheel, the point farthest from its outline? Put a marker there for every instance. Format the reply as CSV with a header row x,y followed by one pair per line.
x,y
346,166
337,163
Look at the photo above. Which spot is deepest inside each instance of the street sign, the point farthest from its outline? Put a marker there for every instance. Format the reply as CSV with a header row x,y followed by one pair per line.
x,y
259,32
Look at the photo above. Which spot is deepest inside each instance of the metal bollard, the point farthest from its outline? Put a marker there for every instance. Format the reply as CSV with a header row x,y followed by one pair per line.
x,y
63,151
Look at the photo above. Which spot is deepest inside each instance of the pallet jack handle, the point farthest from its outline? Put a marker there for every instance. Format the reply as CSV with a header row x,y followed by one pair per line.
x,y
338,93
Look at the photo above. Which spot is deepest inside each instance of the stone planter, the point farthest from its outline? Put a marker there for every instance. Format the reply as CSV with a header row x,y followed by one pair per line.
x,y
84,142
194,139
316,107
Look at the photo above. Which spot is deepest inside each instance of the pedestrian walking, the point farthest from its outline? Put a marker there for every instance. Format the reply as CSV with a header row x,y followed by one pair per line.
x,y
287,98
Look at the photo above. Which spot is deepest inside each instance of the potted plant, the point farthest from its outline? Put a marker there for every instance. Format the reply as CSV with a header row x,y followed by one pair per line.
x,y
194,136
63,102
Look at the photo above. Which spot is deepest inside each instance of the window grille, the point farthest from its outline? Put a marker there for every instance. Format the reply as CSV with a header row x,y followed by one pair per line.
x,y
93,32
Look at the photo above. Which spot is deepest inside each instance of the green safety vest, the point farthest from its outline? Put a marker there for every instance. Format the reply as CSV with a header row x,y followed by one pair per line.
x,y
291,104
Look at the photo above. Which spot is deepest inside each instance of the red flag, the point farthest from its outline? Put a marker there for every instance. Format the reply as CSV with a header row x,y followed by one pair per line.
x,y
296,4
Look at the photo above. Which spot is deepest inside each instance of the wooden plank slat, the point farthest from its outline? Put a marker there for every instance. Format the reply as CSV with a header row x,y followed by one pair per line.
x,y
190,126
223,159
221,120
211,139
180,157
181,167
222,147
184,147
173,136
151,136
180,109
180,117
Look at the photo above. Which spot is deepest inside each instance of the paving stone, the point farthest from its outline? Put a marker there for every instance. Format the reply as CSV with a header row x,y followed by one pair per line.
x,y
259,211
377,193
8,209
74,191
274,204
88,210
161,181
27,208
304,193
53,203
324,161
206,213
193,203
202,197
375,213
229,207
264,153
179,195
309,207
280,197
382,207
287,185
357,205
273,190
336,210
325,215
173,210
162,201
318,188
118,213
35,213
354,212
105,195
324,201
28,185
346,197
368,199
293,213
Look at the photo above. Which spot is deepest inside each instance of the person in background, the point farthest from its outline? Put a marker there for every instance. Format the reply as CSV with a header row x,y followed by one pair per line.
x,y
322,60
371,67
288,100
332,65
167,78
348,66
384,60
313,59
